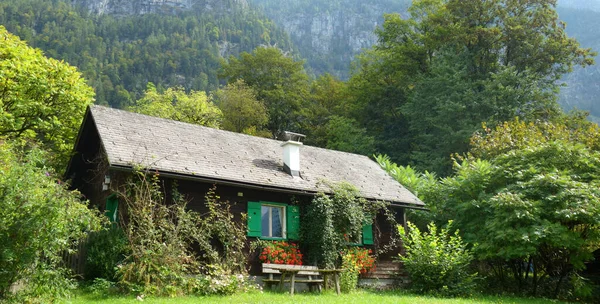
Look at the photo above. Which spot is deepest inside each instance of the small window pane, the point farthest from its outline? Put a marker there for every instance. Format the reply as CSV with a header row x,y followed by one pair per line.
x,y
276,213
265,220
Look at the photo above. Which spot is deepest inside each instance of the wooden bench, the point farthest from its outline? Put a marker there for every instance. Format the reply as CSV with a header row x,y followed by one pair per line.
x,y
309,275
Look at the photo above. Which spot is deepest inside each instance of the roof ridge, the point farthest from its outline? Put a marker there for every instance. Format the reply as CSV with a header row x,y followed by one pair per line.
x,y
220,130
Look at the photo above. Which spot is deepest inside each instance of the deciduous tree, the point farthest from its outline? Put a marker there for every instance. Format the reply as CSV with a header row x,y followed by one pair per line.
x,y
434,77
175,104
41,99
242,112
279,81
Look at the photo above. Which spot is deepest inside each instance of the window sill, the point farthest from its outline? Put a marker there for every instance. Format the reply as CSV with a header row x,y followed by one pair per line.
x,y
272,238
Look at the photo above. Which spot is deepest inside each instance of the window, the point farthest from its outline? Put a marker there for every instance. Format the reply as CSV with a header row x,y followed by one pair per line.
x,y
273,221
364,238
269,220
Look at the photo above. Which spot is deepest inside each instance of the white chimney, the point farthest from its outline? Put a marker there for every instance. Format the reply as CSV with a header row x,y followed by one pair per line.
x,y
291,153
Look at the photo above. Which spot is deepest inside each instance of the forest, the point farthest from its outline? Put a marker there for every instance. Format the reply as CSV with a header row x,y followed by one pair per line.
x,y
457,100
119,55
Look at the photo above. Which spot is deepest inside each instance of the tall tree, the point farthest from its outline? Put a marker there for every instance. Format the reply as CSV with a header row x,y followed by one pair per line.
x,y
41,99
328,97
279,81
454,64
242,112
175,104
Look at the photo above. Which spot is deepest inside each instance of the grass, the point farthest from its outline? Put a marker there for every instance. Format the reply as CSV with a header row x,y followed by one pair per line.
x,y
362,296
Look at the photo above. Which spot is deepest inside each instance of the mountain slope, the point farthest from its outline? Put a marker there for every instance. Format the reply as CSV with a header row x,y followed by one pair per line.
x,y
118,54
330,33
141,7
582,89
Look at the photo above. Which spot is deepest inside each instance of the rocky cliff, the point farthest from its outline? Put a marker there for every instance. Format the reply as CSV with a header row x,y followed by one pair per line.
x,y
140,7
330,33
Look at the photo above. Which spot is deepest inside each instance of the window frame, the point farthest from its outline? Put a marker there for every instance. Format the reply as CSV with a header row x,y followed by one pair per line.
x,y
284,220
283,208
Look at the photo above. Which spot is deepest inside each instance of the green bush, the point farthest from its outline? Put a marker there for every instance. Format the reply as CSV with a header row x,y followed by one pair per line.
x,y
437,262
105,250
171,246
101,288
40,219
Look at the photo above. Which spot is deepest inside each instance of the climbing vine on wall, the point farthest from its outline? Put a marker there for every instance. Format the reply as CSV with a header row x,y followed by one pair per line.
x,y
333,221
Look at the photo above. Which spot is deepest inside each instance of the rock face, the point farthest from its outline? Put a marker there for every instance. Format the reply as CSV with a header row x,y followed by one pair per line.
x,y
330,33
592,5
139,7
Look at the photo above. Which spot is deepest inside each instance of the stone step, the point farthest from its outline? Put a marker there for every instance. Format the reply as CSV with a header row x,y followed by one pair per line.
x,y
386,270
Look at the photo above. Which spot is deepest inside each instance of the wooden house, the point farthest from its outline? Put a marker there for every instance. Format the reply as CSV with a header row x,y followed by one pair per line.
x,y
258,176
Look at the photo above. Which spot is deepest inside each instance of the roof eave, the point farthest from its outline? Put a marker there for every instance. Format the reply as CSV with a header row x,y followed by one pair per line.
x,y
212,180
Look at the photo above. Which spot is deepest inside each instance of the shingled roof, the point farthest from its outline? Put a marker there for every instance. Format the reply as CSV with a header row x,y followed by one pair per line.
x,y
200,152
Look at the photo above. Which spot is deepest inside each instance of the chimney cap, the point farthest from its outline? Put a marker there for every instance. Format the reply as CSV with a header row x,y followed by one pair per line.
x,y
291,136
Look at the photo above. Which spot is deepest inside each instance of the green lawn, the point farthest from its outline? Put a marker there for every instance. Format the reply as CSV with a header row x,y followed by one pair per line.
x,y
371,297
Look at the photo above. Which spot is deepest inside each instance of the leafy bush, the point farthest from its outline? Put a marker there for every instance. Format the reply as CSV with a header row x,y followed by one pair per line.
x,y
164,238
105,250
220,237
281,253
159,236
437,262
101,287
39,220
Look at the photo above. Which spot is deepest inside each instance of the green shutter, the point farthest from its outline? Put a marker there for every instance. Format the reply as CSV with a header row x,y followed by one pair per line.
x,y
293,222
254,223
367,234
112,208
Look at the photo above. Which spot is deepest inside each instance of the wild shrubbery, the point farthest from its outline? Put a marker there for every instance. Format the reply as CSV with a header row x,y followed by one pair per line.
x,y
40,219
105,250
437,262
171,250
528,195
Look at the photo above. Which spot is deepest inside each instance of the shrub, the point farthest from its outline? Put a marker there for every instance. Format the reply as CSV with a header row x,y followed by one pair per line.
x,y
39,220
105,250
437,262
159,236
281,253
101,287
171,247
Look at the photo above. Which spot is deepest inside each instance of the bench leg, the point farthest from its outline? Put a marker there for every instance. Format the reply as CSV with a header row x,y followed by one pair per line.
x,y
336,278
292,283
281,281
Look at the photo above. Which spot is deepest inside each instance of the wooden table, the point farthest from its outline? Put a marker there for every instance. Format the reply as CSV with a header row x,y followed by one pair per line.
x,y
292,270
336,277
